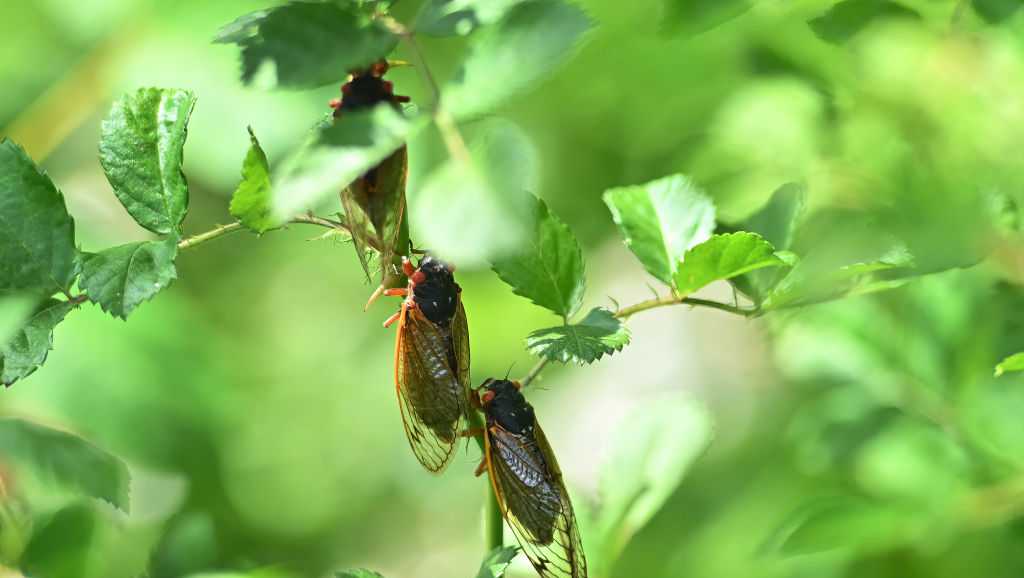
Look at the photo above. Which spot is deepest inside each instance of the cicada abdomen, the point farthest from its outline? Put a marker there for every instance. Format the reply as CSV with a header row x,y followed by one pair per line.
x,y
431,361
528,483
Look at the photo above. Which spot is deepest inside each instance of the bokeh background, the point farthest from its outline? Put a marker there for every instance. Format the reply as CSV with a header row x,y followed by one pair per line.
x,y
253,400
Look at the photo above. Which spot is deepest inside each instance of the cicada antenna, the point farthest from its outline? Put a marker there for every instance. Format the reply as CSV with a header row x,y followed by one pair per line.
x,y
509,372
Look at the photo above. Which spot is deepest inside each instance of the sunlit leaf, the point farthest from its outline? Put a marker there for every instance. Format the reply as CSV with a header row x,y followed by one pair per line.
x,y
596,335
470,213
845,19
27,349
37,236
548,269
777,222
64,461
661,220
141,150
497,561
121,278
530,42
335,155
14,310
307,44
1014,362
251,202
723,257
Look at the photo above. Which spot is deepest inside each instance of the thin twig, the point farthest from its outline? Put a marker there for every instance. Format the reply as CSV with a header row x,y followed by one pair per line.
x,y
222,230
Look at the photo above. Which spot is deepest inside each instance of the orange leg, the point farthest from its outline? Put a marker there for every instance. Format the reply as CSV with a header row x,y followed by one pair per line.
x,y
392,319
480,469
472,432
407,267
398,292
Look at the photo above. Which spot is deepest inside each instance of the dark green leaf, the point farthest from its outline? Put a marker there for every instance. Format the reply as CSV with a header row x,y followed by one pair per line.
x,y
451,17
334,156
121,278
724,257
251,202
64,460
141,150
849,17
599,333
549,268
1014,362
27,349
360,573
661,220
471,213
996,11
691,17
307,44
37,236
531,41
497,561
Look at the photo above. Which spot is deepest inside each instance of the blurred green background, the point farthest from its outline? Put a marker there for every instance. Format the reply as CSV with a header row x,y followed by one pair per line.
x,y
861,437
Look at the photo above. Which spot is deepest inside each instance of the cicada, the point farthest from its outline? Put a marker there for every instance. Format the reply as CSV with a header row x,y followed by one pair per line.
x,y
431,360
527,482
374,203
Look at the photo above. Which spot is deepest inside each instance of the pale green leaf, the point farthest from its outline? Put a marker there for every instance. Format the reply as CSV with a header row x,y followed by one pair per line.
x,y
724,257
141,150
597,335
691,17
530,42
1014,362
548,269
307,44
335,155
251,202
777,222
846,523
27,349
497,561
64,461
661,220
121,278
14,310
451,17
37,236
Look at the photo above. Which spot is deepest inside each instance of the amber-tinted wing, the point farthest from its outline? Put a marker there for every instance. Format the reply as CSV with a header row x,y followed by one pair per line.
x,y
460,340
429,394
534,501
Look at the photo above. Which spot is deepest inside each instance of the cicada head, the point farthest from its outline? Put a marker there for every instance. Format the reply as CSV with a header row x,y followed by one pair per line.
x,y
434,290
366,89
505,405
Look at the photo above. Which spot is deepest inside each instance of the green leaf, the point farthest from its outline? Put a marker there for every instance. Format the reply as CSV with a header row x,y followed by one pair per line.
x,y
451,17
121,278
141,150
549,268
996,11
724,257
777,222
692,17
1014,362
472,213
807,285
64,460
334,156
14,310
359,573
653,448
251,202
530,42
37,236
497,561
306,44
600,333
846,19
27,349
661,220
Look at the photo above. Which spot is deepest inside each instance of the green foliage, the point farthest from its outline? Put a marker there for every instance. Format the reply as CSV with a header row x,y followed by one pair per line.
x,y
530,42
335,155
549,269
845,523
250,203
360,573
777,222
661,220
37,236
26,350
996,11
691,17
497,561
450,17
121,278
65,461
306,44
724,257
1014,362
849,17
598,334
14,310
141,148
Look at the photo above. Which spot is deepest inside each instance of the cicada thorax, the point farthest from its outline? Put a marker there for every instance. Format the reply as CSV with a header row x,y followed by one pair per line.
x,y
528,483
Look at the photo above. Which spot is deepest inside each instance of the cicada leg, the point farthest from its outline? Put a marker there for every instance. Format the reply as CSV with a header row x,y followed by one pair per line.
x,y
480,469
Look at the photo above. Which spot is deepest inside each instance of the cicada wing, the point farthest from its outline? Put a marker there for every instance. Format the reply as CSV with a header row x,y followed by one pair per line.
x,y
429,394
385,205
534,502
460,341
358,224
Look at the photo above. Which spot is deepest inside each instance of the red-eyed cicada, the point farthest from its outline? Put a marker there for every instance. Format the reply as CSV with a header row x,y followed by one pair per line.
x,y
431,361
527,482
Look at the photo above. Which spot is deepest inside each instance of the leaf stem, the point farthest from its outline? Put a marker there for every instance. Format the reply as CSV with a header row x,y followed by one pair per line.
x,y
493,520
663,301
222,230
